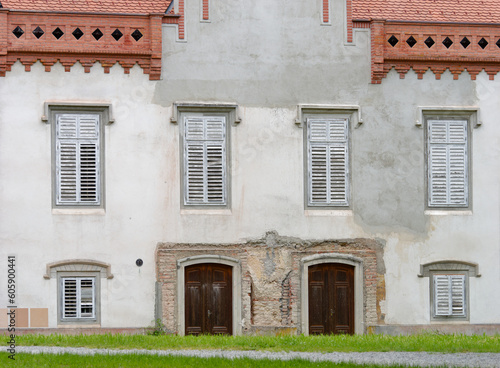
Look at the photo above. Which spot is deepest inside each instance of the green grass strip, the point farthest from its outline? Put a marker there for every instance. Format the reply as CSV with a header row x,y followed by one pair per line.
x,y
338,343
145,361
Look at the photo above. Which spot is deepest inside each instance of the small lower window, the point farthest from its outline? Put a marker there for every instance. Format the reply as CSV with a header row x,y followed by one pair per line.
x,y
449,288
449,296
78,299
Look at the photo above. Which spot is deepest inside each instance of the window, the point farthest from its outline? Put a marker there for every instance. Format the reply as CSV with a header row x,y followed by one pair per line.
x,y
77,159
449,295
448,162
449,288
328,161
78,297
78,154
205,160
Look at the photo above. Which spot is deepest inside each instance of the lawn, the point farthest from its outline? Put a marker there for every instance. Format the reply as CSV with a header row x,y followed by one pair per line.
x,y
337,343
145,361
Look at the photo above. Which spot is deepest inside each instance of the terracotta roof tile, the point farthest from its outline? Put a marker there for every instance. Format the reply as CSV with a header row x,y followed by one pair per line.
x,y
466,11
92,6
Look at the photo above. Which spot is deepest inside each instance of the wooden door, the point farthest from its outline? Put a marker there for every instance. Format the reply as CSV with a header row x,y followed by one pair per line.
x,y
331,299
208,299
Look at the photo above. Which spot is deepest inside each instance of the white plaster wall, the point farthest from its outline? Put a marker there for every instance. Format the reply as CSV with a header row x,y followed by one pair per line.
x,y
267,58
132,223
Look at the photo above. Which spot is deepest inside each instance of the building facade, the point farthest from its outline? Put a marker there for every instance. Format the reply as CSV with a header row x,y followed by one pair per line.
x,y
250,167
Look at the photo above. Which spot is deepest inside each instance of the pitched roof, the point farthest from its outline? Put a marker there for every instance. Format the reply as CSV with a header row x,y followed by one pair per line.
x,y
90,6
460,11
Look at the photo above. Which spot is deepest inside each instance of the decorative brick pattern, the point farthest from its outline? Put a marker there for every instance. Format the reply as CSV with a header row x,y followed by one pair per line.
x,y
62,42
438,47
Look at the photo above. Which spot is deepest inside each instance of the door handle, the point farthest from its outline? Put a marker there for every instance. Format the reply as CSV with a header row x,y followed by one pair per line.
x,y
331,312
209,313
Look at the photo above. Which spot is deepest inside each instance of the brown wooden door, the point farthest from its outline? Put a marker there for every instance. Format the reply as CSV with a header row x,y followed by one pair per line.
x,y
208,299
331,299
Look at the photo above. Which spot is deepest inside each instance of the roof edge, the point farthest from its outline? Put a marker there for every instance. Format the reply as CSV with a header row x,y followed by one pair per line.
x,y
364,20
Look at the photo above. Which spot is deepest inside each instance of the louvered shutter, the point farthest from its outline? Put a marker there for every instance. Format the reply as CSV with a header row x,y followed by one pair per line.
x,y
78,297
449,295
328,168
447,163
205,160
70,298
77,159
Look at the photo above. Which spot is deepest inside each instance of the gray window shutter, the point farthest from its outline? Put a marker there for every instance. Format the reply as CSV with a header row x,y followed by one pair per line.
x,y
205,160
328,168
447,163
78,297
70,298
458,295
449,295
77,159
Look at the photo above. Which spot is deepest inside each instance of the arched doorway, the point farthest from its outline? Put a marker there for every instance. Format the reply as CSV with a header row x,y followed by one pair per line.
x,y
347,277
208,299
331,298
234,281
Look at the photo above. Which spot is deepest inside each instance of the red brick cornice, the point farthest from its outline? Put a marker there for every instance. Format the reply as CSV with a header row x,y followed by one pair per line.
x,y
96,44
419,46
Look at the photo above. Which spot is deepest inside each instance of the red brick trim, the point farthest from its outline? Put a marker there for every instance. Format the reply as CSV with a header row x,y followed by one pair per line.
x,y
326,11
437,58
349,21
206,9
146,51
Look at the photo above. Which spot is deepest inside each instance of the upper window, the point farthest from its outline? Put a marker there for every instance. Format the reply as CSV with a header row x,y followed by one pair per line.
x,y
205,160
448,162
328,161
78,154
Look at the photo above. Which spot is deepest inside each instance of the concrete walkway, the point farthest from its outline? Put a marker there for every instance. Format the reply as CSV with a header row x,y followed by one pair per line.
x,y
414,359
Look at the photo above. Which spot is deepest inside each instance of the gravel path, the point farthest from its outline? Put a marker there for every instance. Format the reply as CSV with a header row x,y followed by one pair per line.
x,y
415,359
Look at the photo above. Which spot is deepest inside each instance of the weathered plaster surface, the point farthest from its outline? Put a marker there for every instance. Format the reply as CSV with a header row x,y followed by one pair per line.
x,y
267,58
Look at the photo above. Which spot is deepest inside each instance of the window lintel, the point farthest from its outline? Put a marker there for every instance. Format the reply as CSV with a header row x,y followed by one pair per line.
x,y
469,112
472,269
221,107
100,106
303,109
78,265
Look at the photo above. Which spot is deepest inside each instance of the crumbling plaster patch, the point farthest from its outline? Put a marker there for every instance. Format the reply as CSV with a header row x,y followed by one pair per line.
x,y
271,277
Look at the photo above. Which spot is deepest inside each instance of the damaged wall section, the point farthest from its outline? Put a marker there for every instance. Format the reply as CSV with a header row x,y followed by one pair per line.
x,y
270,276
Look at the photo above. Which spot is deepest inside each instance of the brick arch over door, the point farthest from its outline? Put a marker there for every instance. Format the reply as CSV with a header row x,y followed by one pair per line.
x,y
357,263
236,288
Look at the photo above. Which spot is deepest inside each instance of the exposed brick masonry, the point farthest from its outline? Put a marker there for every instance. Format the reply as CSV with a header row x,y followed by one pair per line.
x,y
270,269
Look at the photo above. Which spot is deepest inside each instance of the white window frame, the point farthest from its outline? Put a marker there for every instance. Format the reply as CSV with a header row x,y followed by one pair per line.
x,y
227,113
79,318
55,114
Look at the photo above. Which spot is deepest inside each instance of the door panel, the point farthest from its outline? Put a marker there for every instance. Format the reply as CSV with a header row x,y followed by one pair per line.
x,y
208,299
331,299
